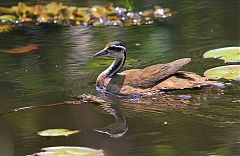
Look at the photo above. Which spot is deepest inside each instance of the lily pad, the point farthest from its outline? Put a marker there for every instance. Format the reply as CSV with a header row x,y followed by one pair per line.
x,y
228,54
57,132
69,151
231,72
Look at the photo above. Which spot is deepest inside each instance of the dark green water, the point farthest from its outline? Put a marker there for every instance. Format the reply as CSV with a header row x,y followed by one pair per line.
x,y
62,67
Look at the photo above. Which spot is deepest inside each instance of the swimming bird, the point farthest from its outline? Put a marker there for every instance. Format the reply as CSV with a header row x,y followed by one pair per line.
x,y
153,79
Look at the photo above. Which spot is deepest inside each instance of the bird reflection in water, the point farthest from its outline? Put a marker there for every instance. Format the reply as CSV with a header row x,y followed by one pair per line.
x,y
119,127
116,129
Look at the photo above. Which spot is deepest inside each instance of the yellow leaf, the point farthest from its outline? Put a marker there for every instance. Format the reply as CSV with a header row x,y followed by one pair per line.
x,y
20,9
57,132
53,8
5,10
8,17
5,28
98,11
38,10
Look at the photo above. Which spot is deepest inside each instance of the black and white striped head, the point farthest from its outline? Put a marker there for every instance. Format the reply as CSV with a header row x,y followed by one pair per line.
x,y
115,49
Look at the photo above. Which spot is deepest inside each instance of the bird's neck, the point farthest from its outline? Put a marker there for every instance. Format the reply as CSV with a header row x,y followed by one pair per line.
x,y
115,66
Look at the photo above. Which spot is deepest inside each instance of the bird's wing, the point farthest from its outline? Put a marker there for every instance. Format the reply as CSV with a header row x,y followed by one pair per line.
x,y
185,80
150,76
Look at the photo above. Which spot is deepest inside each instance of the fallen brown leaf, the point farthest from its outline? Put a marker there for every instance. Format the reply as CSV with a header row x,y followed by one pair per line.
x,y
21,50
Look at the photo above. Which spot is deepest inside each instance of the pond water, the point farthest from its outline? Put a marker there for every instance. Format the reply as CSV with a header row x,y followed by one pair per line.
x,y
62,67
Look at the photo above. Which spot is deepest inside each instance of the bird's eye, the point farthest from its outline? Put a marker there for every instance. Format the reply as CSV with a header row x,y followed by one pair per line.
x,y
111,48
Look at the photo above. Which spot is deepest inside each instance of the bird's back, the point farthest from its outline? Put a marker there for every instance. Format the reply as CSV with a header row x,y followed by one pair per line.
x,y
150,76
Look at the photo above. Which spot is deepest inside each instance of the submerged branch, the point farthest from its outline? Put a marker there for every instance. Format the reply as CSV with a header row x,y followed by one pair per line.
x,y
41,106
81,99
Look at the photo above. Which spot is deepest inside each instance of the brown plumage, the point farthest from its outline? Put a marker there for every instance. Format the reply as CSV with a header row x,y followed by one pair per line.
x,y
150,80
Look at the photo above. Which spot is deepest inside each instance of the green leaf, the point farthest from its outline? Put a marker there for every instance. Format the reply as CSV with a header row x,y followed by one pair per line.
x,y
5,28
57,132
8,18
69,151
20,9
58,13
229,54
231,72
5,10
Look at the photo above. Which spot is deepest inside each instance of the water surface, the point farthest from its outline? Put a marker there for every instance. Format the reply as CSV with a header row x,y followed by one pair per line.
x,y
62,67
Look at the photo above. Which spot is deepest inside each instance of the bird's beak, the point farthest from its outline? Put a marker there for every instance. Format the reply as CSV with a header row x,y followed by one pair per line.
x,y
100,53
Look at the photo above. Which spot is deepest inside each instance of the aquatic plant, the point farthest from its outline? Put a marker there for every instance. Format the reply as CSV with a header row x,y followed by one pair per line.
x,y
231,72
228,54
58,13
57,132
70,151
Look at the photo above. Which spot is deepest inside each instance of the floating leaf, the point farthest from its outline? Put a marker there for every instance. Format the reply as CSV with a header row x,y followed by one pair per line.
x,y
81,15
85,18
67,13
53,8
229,54
43,18
98,11
21,49
56,12
25,19
69,151
5,28
231,72
147,13
37,10
8,18
4,10
57,132
21,9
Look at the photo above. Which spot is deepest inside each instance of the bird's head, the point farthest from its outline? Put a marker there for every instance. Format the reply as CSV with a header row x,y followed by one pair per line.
x,y
114,49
